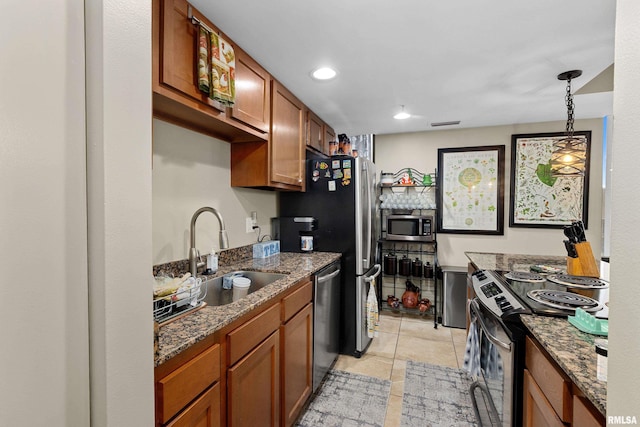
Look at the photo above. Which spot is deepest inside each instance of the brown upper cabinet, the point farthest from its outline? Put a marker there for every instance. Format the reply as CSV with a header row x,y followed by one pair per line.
x,y
268,126
329,135
287,137
319,134
315,133
279,162
176,97
253,90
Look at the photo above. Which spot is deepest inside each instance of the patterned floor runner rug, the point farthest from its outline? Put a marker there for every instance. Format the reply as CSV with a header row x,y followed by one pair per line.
x,y
346,399
436,396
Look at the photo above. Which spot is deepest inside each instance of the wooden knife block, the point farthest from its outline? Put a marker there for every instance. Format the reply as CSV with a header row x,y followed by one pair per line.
x,y
585,264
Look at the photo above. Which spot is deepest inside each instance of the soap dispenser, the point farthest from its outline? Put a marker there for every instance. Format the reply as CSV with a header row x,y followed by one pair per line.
x,y
212,263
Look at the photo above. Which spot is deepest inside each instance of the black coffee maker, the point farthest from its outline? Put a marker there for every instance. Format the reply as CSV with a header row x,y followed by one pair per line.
x,y
296,234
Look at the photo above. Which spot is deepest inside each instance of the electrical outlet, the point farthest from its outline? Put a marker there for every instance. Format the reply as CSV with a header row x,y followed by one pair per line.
x,y
254,218
248,225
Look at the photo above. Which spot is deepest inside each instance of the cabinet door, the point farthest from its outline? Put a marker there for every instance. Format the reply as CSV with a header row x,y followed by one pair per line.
x,y
253,387
287,137
585,414
253,90
329,135
315,132
177,41
537,411
297,359
203,412
553,382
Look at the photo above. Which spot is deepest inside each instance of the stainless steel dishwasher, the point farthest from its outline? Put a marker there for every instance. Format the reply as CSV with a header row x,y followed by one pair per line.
x,y
326,321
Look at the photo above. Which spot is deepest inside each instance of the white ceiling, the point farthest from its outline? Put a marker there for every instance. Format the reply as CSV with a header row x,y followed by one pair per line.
x,y
484,63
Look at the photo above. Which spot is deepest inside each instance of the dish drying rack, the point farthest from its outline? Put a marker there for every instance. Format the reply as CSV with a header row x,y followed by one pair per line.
x,y
183,301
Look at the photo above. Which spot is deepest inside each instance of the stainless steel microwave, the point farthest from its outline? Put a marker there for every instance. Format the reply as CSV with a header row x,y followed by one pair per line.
x,y
412,228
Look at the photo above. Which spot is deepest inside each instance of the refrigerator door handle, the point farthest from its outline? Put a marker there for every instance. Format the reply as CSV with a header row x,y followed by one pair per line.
x,y
367,205
378,269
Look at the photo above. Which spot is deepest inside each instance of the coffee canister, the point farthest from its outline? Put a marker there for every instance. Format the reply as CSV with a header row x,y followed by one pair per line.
x,y
405,266
428,270
333,148
390,264
306,243
416,267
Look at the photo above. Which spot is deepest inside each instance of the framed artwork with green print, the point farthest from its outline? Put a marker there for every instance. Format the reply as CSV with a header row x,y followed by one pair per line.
x,y
470,185
537,198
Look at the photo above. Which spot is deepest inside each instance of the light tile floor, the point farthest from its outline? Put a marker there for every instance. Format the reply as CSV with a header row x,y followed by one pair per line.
x,y
405,337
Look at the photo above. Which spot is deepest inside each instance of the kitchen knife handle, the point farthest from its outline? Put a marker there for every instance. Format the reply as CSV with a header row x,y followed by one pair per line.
x,y
571,249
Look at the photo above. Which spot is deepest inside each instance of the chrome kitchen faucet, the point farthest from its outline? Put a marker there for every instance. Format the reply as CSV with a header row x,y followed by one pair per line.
x,y
194,255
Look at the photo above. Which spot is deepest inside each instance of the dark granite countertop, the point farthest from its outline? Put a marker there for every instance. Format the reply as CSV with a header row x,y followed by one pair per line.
x,y
574,351
184,332
513,262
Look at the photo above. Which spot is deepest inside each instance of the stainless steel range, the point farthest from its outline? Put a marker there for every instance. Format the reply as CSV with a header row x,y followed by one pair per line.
x,y
501,297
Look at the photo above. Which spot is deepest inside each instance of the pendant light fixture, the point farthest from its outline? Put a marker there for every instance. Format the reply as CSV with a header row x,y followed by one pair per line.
x,y
402,115
569,154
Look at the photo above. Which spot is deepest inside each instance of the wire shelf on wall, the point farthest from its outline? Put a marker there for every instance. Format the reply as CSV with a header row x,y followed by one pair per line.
x,y
410,177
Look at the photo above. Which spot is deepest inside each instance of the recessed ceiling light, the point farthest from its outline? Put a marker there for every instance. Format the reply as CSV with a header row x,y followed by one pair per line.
x,y
324,73
402,115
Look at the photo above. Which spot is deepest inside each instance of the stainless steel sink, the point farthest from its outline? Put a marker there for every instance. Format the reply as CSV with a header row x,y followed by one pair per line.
x,y
217,295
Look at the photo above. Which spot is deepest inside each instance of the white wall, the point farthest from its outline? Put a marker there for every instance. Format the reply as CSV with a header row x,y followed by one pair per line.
x,y
420,151
118,73
44,354
192,170
624,339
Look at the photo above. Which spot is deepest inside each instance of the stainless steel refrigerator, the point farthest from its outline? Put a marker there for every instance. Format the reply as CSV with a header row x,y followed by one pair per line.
x,y
340,195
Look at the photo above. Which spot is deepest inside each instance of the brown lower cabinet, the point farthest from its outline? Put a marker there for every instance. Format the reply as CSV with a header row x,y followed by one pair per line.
x,y
203,412
297,359
538,412
584,414
550,399
253,386
188,393
257,371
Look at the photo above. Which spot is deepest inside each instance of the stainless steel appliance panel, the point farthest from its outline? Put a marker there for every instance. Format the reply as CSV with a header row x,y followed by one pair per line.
x,y
497,367
326,321
341,196
364,179
454,296
495,315
410,228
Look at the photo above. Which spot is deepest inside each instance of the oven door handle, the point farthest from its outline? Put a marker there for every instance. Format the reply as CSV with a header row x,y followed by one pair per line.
x,y
473,306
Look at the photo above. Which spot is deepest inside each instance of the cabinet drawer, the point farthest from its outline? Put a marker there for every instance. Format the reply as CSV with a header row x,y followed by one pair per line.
x,y
181,386
249,335
293,303
204,411
554,383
